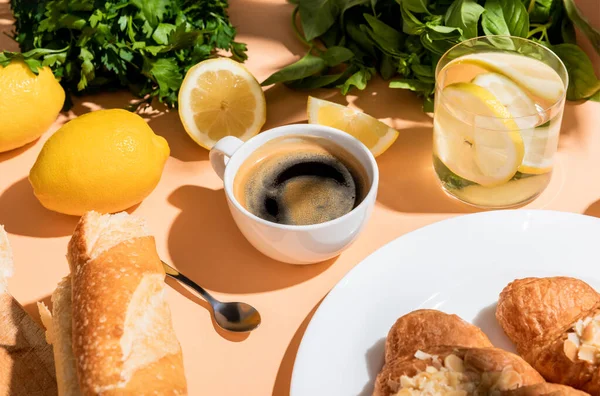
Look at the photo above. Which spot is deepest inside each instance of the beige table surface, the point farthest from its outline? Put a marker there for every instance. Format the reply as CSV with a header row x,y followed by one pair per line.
x,y
189,217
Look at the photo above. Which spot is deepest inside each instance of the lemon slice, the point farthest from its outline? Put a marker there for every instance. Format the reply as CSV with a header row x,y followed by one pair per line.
x,y
531,74
218,98
374,134
488,152
517,102
540,145
541,142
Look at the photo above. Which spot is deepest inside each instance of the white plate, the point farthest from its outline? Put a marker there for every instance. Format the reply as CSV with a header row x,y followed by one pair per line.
x,y
457,266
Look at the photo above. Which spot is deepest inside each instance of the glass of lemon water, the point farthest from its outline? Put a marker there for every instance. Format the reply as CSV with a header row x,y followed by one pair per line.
x,y
499,102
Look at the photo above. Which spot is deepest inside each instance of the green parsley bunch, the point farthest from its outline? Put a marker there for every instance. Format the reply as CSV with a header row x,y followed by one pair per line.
x,y
144,45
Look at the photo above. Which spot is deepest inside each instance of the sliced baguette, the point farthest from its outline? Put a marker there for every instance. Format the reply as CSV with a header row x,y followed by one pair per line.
x,y
122,337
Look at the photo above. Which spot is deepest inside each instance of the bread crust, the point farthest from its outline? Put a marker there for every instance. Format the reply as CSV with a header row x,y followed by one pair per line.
x,y
537,314
479,360
62,339
122,347
425,328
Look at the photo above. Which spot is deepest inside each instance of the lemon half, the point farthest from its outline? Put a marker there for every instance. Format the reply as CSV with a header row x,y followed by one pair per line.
x,y
374,134
218,98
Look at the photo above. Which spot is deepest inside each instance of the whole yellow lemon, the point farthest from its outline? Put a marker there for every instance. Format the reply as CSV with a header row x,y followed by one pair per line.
x,y
106,160
29,104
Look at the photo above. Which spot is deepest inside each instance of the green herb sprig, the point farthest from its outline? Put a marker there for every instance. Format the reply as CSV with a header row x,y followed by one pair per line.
x,y
350,41
144,45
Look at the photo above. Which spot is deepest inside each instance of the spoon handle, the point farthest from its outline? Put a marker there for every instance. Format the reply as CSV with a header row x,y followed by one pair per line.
x,y
173,273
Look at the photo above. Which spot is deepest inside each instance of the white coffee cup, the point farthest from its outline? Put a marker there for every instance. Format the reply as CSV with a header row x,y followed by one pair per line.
x,y
295,244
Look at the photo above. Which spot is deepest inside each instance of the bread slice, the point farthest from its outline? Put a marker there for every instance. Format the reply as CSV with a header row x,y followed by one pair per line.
x,y
59,334
123,339
425,328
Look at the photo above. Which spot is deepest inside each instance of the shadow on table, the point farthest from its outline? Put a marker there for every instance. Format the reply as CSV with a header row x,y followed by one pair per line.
x,y
284,374
279,14
31,371
570,134
593,209
287,104
5,156
206,245
407,180
22,214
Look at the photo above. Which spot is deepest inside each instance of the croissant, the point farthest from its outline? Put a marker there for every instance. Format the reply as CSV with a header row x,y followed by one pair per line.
x,y
447,369
555,324
427,327
429,352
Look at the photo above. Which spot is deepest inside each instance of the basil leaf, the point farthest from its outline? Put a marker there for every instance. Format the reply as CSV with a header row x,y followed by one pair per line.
x,y
428,104
443,32
305,67
595,97
358,80
567,31
317,16
539,10
358,36
592,34
464,14
314,82
415,5
438,47
583,83
411,24
388,67
423,73
412,85
336,55
387,38
506,17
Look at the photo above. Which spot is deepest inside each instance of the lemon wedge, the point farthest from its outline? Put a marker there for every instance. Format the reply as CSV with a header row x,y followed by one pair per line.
x,y
374,134
219,97
541,142
488,152
531,74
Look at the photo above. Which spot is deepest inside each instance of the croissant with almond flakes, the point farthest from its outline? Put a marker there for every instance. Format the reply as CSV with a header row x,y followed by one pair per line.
x,y
555,324
450,370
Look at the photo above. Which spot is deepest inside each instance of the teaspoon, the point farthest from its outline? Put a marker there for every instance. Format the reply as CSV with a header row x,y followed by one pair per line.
x,y
231,316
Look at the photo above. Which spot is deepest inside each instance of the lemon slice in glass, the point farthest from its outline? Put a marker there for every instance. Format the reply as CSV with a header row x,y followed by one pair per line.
x,y
218,98
531,74
540,143
374,134
487,152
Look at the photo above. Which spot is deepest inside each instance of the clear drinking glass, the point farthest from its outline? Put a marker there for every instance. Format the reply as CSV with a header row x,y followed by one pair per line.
x,y
499,102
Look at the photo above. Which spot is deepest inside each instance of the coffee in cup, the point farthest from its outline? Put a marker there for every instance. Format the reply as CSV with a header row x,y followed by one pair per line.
x,y
287,165
300,180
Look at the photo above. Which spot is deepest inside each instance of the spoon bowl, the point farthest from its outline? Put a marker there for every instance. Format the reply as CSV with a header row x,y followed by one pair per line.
x,y
238,317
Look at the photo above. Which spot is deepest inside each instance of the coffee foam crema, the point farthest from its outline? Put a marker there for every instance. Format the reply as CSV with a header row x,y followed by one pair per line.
x,y
300,181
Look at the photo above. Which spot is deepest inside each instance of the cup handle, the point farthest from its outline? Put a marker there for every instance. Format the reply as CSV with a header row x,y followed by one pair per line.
x,y
225,147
